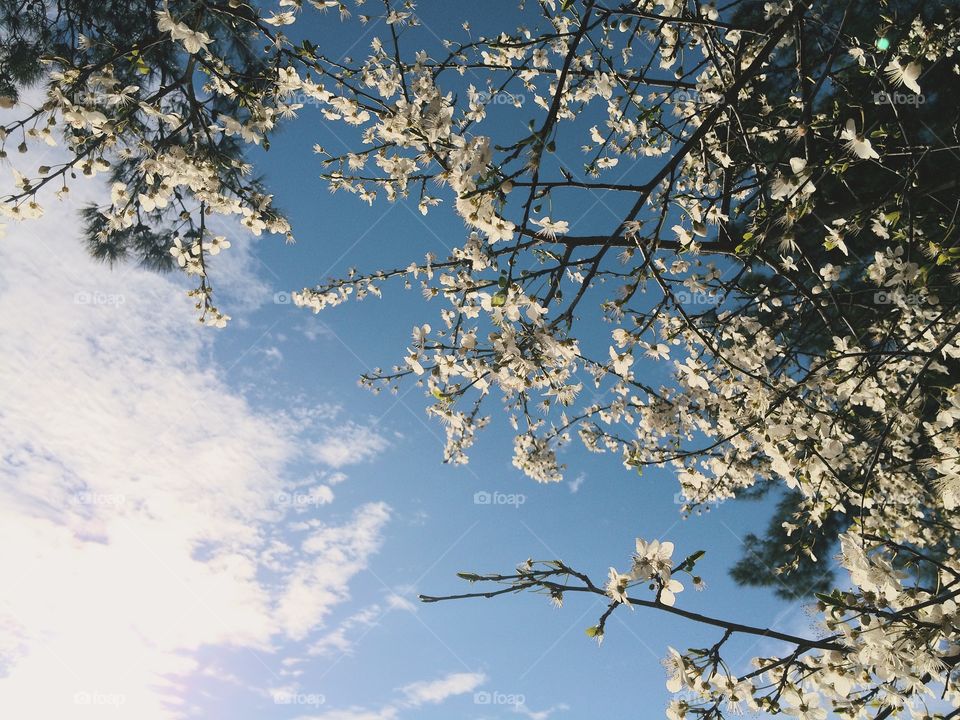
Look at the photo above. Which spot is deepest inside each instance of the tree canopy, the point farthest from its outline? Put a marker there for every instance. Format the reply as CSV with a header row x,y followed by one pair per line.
x,y
785,256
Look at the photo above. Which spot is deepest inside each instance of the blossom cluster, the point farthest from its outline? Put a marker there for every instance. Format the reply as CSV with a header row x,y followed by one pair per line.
x,y
652,561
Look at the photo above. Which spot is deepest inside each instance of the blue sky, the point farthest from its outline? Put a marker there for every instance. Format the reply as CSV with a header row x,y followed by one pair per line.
x,y
202,523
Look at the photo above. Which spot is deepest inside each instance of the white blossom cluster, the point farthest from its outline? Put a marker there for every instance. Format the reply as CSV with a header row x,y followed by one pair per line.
x,y
891,650
161,139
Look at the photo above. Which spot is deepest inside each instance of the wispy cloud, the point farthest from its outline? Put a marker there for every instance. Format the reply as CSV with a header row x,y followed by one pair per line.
x,y
575,484
411,697
436,691
522,709
141,493
386,713
330,555
399,602
339,640
348,444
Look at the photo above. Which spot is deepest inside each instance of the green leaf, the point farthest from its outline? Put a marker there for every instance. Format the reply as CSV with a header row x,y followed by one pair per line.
x,y
834,598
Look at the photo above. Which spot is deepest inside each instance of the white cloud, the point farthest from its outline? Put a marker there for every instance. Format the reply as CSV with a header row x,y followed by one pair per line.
x,y
138,492
339,640
335,478
522,709
398,602
272,354
412,696
349,444
436,691
386,713
330,556
313,328
343,639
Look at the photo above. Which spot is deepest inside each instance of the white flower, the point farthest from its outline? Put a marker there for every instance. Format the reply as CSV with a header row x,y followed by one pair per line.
x,y
692,373
499,230
220,320
657,351
193,40
949,487
551,228
151,202
830,272
181,254
652,559
904,74
604,85
676,675
420,333
632,228
683,235
621,362
857,143
834,239
413,361
669,592
805,707
118,194
676,710
617,587
790,187
788,263
395,17
799,167
217,244
278,19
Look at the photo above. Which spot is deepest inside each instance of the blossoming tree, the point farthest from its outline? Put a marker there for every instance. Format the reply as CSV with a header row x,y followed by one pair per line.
x,y
784,176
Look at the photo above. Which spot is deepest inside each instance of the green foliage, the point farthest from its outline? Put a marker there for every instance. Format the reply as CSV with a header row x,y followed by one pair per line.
x,y
801,575
149,248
